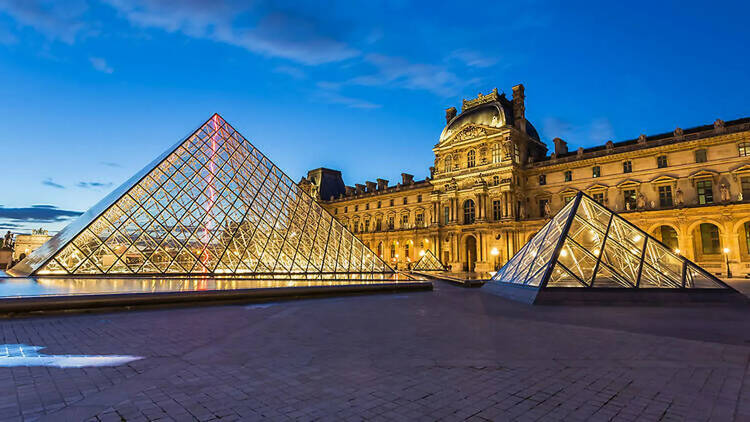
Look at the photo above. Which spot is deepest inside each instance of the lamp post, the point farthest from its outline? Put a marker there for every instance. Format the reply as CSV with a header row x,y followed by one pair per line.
x,y
726,259
494,252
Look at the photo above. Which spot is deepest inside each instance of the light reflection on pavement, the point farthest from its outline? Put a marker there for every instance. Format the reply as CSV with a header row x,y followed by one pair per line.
x,y
24,355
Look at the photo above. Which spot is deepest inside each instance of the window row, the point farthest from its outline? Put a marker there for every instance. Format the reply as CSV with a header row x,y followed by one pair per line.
x,y
391,203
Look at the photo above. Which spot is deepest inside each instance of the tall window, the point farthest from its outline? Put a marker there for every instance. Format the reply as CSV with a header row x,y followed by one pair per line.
x,y
393,250
346,209
379,224
596,171
495,180
379,204
447,215
542,205
367,225
745,184
665,196
661,161
709,239
669,237
471,158
356,208
406,200
747,236
390,222
406,250
705,192
542,179
356,225
380,249
405,220
497,210
448,163
744,149
599,197
516,154
367,206
496,153
627,166
468,211
700,156
419,198
419,219
568,176
391,203
630,200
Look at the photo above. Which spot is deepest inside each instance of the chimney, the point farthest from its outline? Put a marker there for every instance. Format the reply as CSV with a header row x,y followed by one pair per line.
x,y
382,184
450,113
407,179
561,147
359,188
519,108
370,186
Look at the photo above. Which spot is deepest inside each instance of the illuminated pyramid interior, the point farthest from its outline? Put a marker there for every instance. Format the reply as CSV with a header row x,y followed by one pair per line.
x,y
428,262
587,246
211,204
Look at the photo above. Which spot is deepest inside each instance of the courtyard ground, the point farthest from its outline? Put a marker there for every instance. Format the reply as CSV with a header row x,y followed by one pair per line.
x,y
449,354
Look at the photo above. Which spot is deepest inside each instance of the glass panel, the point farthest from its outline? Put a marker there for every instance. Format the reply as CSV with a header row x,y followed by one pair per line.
x,y
577,260
652,278
664,261
698,279
560,277
606,278
619,259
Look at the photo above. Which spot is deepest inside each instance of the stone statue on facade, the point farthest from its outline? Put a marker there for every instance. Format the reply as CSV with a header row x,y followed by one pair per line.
x,y
8,240
724,191
679,197
547,210
740,197
640,202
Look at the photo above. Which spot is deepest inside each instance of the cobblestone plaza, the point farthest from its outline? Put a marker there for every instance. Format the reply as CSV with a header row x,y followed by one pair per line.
x,y
448,354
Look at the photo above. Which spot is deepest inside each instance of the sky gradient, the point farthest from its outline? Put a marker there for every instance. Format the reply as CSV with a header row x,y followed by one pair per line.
x,y
92,90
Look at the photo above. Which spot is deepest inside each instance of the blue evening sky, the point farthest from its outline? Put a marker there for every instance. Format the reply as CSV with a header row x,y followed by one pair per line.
x,y
92,90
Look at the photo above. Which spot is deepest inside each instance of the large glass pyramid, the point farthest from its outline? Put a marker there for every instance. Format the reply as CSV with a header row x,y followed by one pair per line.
x,y
586,245
211,204
428,262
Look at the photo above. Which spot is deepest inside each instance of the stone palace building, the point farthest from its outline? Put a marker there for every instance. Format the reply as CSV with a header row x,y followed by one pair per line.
x,y
494,184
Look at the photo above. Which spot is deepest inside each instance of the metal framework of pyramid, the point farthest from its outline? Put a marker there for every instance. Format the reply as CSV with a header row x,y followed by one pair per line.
x,y
429,262
586,245
212,204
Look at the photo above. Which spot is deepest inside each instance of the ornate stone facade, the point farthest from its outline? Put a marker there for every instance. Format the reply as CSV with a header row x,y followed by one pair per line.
x,y
494,184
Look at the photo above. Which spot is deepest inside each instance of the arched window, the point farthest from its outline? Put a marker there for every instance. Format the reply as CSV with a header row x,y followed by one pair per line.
x,y
393,250
471,158
468,211
380,249
497,154
406,250
668,237
448,163
710,243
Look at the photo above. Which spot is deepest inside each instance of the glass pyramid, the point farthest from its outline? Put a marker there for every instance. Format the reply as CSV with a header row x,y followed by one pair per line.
x,y
587,245
211,204
428,262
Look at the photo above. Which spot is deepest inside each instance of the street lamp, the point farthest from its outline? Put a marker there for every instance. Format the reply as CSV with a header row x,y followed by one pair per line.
x,y
494,252
726,259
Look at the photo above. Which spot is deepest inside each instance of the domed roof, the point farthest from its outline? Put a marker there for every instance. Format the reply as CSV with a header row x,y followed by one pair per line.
x,y
491,114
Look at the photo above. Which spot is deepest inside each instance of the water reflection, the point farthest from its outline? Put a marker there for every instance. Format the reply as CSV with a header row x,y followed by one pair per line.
x,y
68,286
24,355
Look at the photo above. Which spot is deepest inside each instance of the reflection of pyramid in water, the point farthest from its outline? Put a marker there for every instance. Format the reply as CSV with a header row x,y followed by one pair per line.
x,y
212,204
587,245
429,262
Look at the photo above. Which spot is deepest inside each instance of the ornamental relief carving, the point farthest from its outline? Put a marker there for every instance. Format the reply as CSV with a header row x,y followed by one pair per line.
x,y
470,132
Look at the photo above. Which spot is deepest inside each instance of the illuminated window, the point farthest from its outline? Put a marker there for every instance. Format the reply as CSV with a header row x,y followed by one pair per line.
x,y
496,153
379,224
747,236
497,210
468,211
447,215
700,156
406,250
627,166
471,158
419,219
710,239
393,250
405,220
665,196
669,237
745,184
599,197
744,149
568,176
516,154
630,199
705,191
391,224
596,171
661,161
495,180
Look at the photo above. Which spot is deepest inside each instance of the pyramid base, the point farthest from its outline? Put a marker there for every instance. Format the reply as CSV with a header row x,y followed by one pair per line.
x,y
616,297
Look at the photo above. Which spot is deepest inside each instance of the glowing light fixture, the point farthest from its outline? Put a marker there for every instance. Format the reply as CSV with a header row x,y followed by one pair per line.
x,y
494,251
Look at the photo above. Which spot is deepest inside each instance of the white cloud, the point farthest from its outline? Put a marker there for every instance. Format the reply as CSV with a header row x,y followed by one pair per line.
x,y
56,20
101,65
472,58
595,132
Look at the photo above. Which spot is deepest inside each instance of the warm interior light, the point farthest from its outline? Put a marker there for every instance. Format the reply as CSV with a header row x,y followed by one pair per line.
x,y
396,255
494,251
421,253
726,250
563,253
677,250
596,252
637,238
426,240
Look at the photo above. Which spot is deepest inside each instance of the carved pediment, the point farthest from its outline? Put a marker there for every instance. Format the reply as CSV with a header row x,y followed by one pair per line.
x,y
703,173
597,187
568,192
743,169
665,178
470,132
629,183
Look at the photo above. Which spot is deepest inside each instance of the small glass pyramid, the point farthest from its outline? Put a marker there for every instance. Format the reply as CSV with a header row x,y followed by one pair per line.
x,y
211,204
587,245
428,262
